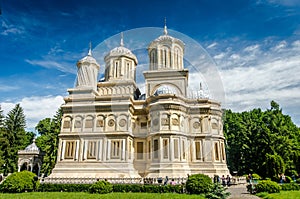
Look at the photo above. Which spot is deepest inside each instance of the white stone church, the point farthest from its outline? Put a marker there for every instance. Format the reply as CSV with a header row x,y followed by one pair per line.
x,y
110,130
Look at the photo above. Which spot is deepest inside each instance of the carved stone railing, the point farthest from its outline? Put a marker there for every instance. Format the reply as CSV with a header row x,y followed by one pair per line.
x,y
155,181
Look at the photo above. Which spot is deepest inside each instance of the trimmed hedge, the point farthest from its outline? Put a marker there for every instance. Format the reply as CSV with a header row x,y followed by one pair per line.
x,y
290,186
101,187
124,188
267,186
198,184
64,187
20,182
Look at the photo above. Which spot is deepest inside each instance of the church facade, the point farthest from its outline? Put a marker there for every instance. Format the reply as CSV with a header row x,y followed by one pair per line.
x,y
110,130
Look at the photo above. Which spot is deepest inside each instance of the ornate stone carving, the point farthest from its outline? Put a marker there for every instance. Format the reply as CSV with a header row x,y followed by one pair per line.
x,y
78,124
122,122
89,123
196,125
175,122
67,124
100,123
214,125
165,121
111,122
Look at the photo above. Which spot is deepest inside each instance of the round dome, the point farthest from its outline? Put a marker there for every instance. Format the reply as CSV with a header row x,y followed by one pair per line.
x,y
166,89
168,38
88,59
32,147
165,38
121,51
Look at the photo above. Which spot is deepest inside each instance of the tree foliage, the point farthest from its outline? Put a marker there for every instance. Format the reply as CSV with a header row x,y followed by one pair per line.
x,y
19,182
264,142
49,129
13,137
199,184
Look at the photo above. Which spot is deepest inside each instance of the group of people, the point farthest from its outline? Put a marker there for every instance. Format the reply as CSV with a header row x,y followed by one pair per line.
x,y
167,181
224,180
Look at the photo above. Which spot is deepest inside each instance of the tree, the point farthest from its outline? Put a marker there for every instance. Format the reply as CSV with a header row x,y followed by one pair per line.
x,y
2,162
49,130
1,118
13,138
264,142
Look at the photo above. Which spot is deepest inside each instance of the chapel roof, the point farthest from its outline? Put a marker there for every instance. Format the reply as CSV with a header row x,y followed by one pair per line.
x,y
167,38
32,147
89,58
121,51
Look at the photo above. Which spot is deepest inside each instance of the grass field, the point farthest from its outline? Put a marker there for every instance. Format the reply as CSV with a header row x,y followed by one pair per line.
x,y
283,195
79,195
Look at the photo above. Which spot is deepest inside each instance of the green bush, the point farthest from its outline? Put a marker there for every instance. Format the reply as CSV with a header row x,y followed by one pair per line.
x,y
288,179
218,192
298,180
20,182
290,186
256,176
152,189
64,187
125,188
199,183
267,186
101,187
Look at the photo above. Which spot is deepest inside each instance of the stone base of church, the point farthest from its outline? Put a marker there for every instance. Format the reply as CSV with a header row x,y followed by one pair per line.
x,y
210,169
94,170
172,170
127,170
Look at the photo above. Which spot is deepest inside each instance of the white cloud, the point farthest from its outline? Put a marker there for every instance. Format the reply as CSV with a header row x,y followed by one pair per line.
x,y
253,79
11,29
219,56
280,46
8,88
285,2
35,108
47,63
212,45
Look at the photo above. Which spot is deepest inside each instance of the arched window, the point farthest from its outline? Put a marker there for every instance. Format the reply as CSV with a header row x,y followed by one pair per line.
x,y
177,60
153,59
165,57
116,69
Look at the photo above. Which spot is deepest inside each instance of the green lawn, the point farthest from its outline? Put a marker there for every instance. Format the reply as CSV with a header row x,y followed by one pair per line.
x,y
283,195
79,195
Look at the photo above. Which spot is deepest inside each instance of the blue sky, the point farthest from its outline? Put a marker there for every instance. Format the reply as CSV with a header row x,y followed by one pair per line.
x,y
254,43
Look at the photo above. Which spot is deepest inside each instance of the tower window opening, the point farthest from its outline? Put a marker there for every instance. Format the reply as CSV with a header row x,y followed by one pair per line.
x,y
198,150
217,151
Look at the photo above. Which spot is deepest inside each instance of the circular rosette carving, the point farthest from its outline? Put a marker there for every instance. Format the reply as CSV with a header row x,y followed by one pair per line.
x,y
196,125
122,122
111,122
175,122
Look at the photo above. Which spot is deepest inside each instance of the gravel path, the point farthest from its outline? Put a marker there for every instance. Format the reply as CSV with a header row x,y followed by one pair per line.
x,y
240,191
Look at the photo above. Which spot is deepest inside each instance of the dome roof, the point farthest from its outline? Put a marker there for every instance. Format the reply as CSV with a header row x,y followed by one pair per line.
x,y
88,59
166,89
32,147
167,38
121,51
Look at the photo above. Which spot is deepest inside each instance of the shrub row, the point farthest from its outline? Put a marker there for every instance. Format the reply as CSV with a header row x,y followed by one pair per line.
x,y
115,188
64,187
267,186
290,186
101,187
